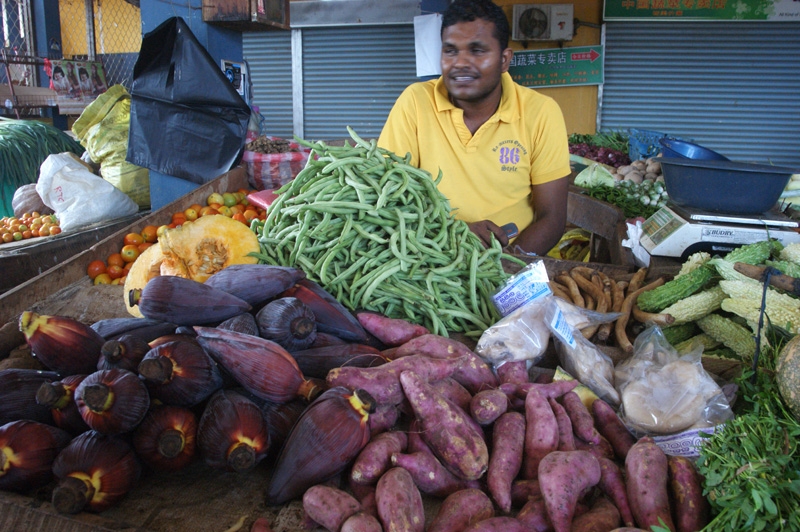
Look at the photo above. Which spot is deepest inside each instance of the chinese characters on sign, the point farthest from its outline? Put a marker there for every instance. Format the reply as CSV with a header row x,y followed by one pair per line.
x,y
774,10
581,65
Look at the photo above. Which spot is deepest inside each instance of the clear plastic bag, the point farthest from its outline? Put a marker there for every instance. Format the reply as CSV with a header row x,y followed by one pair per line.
x,y
522,335
663,392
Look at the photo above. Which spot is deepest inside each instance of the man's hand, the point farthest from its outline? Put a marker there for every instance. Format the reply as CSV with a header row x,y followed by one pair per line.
x,y
485,229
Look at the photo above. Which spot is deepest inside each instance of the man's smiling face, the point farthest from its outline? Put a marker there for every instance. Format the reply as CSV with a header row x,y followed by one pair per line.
x,y
472,61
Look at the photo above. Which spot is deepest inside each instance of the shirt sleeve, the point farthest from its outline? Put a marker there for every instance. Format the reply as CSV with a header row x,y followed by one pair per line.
x,y
550,155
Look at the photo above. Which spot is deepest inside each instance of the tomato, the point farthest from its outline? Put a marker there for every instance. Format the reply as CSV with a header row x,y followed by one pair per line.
x,y
17,235
95,268
8,237
208,211
229,200
214,197
150,233
115,259
178,218
224,210
103,278
249,215
129,253
127,267
239,217
133,239
115,272
55,230
143,246
191,214
27,234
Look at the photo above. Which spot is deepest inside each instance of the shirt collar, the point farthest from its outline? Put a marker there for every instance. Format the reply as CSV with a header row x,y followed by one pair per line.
x,y
508,111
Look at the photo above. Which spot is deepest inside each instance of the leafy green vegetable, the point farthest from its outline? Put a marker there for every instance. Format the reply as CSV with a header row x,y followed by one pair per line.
x,y
634,200
752,464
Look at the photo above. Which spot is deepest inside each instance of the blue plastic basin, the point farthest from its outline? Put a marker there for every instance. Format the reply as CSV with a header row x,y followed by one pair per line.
x,y
681,148
723,186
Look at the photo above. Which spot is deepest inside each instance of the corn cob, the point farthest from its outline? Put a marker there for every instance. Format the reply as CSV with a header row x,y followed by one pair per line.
x,y
665,295
731,334
700,339
750,309
696,306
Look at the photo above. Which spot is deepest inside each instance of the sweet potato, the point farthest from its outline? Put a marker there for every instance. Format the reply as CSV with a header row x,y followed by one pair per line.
x,y
566,439
261,525
601,517
548,390
376,456
365,494
513,371
450,432
328,506
689,506
399,502
541,432
391,331
497,524
582,420
488,405
382,382
600,450
505,461
361,522
429,475
612,484
460,510
611,427
454,391
534,516
523,490
415,441
565,476
474,374
646,475
383,418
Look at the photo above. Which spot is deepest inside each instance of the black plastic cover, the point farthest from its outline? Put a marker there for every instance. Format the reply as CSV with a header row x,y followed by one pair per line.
x,y
187,120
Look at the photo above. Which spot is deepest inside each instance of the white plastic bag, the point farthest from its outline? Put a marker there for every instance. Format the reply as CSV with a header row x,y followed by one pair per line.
x,y
78,196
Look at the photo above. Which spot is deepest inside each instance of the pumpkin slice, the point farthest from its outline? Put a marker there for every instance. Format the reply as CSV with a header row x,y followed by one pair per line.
x,y
205,246
145,267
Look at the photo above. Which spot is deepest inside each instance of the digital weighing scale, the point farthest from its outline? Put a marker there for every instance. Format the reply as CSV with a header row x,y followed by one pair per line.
x,y
675,231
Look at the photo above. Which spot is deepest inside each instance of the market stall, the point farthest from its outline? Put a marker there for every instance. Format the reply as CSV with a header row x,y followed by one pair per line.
x,y
510,346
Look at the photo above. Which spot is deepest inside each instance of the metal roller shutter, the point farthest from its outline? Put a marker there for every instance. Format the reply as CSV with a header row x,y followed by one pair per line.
x,y
733,87
352,76
269,56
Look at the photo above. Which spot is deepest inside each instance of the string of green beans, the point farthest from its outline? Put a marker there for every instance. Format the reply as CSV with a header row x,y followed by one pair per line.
x,y
377,234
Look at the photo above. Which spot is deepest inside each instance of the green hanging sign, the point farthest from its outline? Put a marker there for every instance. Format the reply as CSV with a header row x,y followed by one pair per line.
x,y
581,65
770,10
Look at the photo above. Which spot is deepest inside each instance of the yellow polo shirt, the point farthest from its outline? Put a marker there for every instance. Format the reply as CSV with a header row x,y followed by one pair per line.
x,y
487,175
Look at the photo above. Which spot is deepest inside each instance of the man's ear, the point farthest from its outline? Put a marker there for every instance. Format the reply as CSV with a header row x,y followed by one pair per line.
x,y
505,58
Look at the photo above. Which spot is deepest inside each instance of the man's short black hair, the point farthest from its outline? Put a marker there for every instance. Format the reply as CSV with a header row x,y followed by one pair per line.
x,y
469,10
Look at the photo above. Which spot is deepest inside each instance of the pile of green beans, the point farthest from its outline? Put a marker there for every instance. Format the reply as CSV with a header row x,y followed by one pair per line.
x,y
378,235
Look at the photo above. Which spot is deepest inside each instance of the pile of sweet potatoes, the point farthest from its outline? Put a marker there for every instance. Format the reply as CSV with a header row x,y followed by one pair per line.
x,y
501,453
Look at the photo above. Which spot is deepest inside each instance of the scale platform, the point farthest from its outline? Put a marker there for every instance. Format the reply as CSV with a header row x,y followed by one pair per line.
x,y
675,231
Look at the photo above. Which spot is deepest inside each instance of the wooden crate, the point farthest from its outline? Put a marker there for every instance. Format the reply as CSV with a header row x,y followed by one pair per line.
x,y
23,260
70,275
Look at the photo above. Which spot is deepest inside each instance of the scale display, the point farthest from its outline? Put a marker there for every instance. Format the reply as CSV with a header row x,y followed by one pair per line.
x,y
677,232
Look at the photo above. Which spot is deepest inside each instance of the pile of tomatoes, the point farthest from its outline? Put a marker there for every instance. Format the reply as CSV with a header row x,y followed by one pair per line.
x,y
116,266
29,225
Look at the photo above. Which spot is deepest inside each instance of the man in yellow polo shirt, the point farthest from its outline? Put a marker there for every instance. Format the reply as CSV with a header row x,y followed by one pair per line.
x,y
502,148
